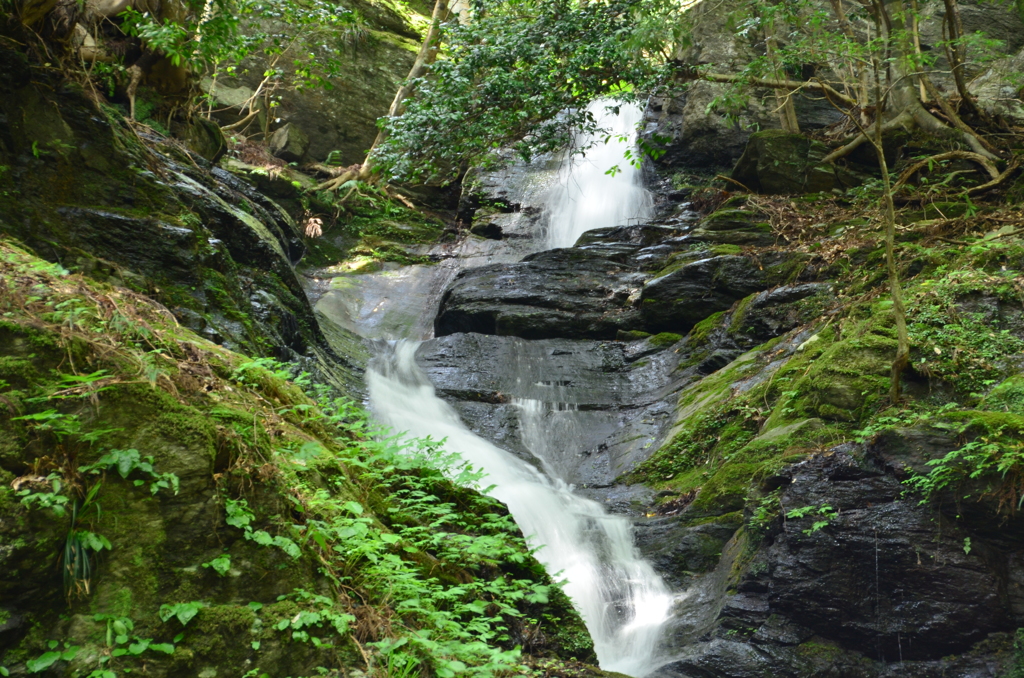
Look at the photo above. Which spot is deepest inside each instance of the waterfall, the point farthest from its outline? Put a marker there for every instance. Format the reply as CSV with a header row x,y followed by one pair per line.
x,y
588,196
619,596
623,602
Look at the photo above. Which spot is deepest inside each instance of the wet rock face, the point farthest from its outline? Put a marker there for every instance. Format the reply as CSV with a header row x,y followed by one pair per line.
x,y
567,293
607,285
210,247
586,410
678,300
884,583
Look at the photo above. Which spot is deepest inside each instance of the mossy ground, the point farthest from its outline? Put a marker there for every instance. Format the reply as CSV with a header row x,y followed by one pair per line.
x,y
373,231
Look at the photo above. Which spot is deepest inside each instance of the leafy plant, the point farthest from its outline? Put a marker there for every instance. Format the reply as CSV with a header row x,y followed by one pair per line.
x,y
183,612
823,514
221,564
128,461
995,461
48,659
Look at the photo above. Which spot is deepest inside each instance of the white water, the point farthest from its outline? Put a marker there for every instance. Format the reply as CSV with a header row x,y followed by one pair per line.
x,y
586,197
619,596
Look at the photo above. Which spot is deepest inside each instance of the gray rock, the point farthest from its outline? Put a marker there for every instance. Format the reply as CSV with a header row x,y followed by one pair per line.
x,y
567,293
675,302
289,143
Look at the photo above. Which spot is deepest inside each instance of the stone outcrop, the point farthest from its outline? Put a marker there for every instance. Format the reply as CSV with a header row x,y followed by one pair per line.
x,y
566,293
209,246
342,118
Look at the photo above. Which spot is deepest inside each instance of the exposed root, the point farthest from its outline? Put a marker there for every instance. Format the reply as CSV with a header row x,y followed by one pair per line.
x,y
908,173
337,182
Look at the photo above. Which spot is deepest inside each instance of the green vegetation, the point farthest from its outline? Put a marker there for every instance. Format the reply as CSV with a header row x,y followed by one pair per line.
x,y
383,556
831,385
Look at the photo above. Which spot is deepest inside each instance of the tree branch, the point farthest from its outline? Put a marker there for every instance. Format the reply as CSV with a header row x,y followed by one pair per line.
x,y
778,84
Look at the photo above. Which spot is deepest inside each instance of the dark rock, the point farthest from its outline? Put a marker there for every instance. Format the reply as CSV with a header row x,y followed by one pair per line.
x,y
487,229
200,240
679,551
680,299
884,588
204,138
289,143
778,162
567,293
586,395
733,226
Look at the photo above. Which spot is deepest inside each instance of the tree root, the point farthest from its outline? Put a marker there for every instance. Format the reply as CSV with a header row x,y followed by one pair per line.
x,y
996,181
901,120
337,182
951,155
915,116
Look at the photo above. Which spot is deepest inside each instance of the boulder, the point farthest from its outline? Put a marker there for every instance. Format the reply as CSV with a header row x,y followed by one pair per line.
x,y
567,293
734,226
204,138
779,162
677,301
289,143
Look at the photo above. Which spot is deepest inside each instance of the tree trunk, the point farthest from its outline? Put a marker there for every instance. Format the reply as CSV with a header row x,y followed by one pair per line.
x,y
955,53
904,93
858,74
902,359
426,56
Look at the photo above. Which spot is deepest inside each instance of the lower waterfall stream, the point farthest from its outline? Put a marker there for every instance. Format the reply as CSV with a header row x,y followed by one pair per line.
x,y
620,597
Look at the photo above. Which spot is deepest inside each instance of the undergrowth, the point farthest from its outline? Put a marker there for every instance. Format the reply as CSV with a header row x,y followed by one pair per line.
x,y
416,572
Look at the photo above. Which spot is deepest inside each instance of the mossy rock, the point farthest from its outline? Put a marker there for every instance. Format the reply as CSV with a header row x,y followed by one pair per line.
x,y
1007,396
777,162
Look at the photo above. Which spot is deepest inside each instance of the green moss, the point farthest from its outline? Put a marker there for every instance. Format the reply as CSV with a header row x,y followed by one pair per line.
x,y
788,270
985,423
739,313
726,249
1008,396
699,332
631,335
665,339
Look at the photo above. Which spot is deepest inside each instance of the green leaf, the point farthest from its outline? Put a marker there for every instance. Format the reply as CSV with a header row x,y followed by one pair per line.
x,y
42,663
166,648
221,564
184,612
261,537
139,647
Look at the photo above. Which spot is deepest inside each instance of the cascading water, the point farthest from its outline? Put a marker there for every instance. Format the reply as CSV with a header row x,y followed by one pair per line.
x,y
587,195
623,602
619,596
